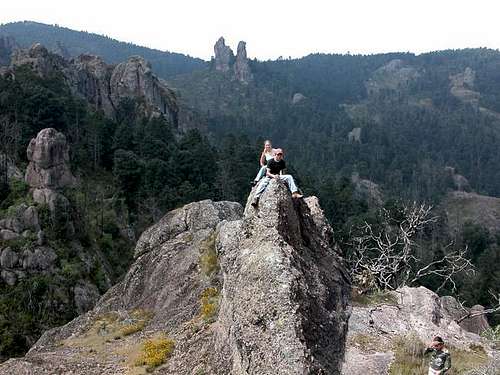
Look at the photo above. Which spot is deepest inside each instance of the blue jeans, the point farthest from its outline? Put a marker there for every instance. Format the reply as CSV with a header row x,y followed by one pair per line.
x,y
262,173
261,187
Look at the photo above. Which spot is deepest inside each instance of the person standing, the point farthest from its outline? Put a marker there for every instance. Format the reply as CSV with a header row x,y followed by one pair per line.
x,y
440,358
266,155
274,168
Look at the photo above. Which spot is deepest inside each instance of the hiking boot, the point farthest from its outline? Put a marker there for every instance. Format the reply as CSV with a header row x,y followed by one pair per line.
x,y
255,202
297,195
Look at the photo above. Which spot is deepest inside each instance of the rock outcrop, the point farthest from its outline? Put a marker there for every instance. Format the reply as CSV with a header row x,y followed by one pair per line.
x,y
105,86
460,182
242,70
298,98
224,56
226,62
260,293
354,135
462,85
367,191
395,76
48,155
134,79
415,314
460,207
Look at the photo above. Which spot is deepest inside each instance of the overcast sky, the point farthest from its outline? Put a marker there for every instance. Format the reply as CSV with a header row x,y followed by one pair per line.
x,y
274,28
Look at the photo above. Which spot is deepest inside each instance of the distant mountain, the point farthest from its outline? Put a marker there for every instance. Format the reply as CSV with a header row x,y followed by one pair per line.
x,y
66,41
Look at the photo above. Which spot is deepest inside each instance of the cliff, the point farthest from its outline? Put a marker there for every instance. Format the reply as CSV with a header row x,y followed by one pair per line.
x,y
104,86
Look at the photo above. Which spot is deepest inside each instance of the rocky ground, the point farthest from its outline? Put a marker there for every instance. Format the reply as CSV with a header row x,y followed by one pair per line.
x,y
388,335
221,292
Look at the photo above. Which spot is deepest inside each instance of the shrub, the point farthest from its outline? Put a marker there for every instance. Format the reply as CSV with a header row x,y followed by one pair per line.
x,y
208,259
155,352
209,304
373,298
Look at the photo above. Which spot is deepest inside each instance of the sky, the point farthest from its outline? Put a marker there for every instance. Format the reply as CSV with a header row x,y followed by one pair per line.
x,y
274,28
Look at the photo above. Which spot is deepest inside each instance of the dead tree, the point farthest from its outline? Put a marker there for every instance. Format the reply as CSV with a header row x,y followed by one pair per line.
x,y
492,310
385,256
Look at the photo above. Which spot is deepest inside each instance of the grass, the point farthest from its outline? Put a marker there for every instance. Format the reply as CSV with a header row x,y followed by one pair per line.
x,y
409,357
155,352
111,326
366,343
208,259
374,298
209,304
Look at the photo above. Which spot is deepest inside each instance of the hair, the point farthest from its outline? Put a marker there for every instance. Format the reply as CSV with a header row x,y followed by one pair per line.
x,y
268,141
438,339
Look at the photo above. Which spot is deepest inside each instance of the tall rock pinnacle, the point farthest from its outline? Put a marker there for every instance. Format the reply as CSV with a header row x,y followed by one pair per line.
x,y
224,56
241,67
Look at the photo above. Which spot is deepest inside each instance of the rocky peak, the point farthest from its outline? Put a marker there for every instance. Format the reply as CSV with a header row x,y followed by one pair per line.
x,y
48,155
40,59
135,79
224,56
255,292
241,67
225,61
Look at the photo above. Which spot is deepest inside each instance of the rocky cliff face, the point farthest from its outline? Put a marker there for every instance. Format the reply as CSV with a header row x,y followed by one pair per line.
x,y
105,86
259,292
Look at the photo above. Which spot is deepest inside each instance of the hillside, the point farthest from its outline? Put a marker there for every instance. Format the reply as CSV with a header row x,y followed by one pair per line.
x,y
63,40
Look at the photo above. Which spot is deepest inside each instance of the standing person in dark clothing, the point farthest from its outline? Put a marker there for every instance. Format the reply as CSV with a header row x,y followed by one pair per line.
x,y
274,168
440,357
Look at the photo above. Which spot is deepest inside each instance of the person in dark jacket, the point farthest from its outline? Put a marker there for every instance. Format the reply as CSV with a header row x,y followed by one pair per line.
x,y
274,168
440,357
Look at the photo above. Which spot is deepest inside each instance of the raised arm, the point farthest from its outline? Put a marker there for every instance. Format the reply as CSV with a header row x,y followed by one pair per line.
x,y
262,159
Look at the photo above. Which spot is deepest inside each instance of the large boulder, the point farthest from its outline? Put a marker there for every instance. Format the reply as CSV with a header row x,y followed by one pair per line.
x,y
262,293
48,154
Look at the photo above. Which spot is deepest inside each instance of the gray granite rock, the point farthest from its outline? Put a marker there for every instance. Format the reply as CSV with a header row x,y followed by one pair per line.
x,y
224,56
241,67
48,154
281,288
8,258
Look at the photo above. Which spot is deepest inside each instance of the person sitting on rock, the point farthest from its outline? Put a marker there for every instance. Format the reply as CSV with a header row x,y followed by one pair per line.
x,y
266,155
440,357
274,168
